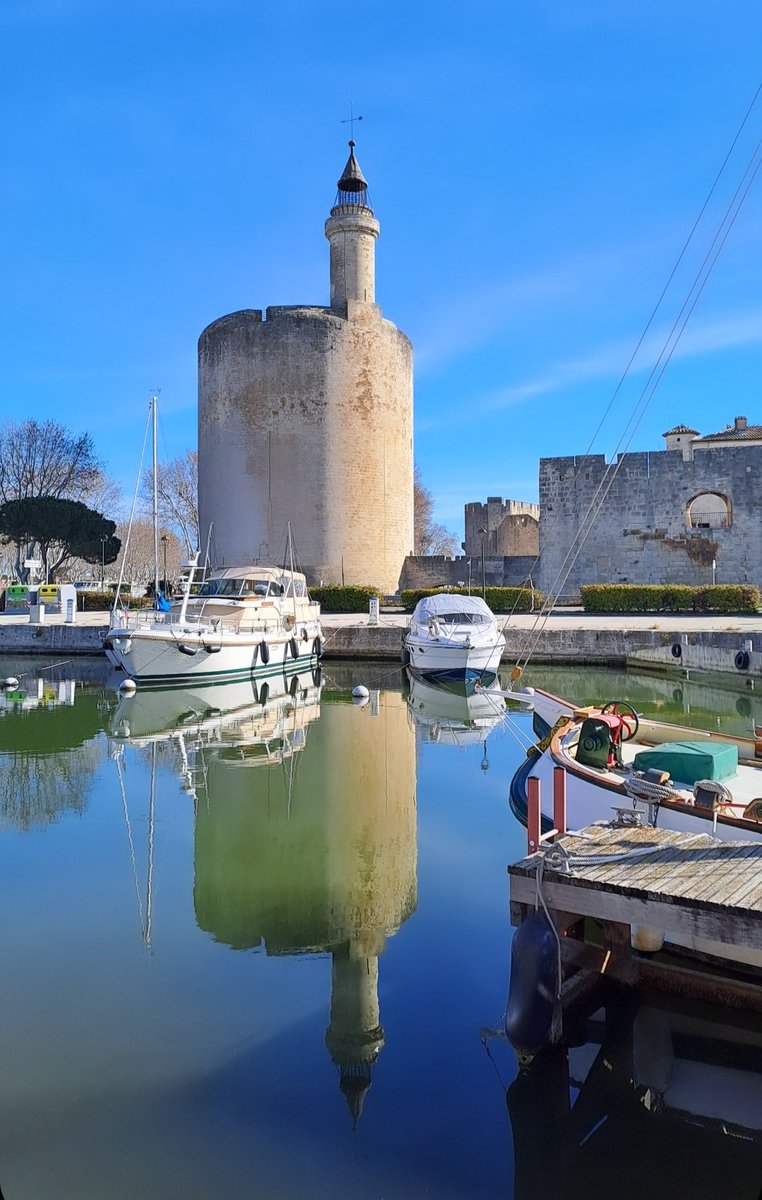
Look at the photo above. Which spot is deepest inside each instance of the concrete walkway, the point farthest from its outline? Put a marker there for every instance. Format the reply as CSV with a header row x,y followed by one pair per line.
x,y
561,619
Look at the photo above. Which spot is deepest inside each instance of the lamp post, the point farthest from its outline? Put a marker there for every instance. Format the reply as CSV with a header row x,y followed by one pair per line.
x,y
104,539
483,534
164,547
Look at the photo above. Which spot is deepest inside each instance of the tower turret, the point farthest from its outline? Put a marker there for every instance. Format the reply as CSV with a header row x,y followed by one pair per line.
x,y
352,230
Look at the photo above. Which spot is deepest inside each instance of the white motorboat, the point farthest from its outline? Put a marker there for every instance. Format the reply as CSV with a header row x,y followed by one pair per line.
x,y
453,637
239,621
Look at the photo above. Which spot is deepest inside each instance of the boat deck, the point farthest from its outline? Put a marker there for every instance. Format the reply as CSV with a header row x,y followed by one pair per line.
x,y
745,785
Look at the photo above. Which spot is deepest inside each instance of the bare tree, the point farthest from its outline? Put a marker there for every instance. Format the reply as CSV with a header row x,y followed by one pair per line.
x,y
45,460
429,536
137,556
177,487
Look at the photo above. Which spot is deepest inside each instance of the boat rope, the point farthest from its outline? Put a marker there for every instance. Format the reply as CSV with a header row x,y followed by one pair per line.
x,y
669,346
646,789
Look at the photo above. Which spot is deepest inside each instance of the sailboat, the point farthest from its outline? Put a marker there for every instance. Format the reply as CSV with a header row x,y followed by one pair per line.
x,y
238,621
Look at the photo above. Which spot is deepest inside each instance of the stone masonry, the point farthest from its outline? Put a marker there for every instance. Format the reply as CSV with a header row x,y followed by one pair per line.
x,y
306,417
512,527
668,516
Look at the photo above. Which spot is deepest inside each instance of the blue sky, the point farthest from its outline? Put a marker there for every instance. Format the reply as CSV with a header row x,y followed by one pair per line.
x,y
536,168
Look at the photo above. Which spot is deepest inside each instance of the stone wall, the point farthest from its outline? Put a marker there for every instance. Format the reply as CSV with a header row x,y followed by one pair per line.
x,y
641,533
433,570
511,525
307,417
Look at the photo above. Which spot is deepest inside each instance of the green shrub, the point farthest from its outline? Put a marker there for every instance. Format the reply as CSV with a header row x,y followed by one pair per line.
x,y
498,599
104,601
679,597
337,598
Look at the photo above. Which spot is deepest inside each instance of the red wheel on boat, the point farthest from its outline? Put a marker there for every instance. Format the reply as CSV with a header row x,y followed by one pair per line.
x,y
626,713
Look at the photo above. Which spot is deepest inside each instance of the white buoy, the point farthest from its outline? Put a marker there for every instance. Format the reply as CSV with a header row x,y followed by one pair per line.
x,y
11,682
128,687
360,692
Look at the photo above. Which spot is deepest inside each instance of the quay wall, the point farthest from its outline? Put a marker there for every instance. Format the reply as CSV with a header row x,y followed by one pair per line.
x,y
707,650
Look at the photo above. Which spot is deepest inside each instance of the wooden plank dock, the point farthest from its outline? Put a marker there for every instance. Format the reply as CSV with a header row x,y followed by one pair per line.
x,y
702,893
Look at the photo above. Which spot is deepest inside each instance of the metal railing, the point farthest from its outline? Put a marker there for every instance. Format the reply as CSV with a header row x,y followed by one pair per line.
x,y
708,520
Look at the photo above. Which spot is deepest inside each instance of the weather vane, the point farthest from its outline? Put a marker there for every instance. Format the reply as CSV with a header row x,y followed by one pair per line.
x,y
350,121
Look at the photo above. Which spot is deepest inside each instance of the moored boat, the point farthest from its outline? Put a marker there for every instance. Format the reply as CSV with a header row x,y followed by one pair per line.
x,y
239,621
453,637
619,763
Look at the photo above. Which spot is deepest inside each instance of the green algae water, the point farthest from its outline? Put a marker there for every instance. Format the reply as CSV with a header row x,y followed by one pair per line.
x,y
256,938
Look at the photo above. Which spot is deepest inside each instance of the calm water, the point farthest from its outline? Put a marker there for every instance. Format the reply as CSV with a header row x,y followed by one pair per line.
x,y
251,940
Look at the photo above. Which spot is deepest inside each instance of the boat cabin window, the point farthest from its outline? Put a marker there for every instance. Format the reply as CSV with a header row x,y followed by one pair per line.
x,y
239,587
456,618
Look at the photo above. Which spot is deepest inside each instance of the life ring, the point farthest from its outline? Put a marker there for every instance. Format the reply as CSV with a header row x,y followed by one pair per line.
x,y
677,650
293,646
264,652
742,660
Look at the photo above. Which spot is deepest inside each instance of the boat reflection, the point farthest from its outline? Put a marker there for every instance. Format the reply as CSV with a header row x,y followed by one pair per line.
x,y
249,720
655,1098
454,714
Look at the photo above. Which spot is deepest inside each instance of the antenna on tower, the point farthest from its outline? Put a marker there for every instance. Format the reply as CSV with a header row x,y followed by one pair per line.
x,y
350,121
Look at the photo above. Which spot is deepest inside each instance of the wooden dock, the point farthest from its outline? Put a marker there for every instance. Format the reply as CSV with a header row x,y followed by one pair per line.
x,y
701,893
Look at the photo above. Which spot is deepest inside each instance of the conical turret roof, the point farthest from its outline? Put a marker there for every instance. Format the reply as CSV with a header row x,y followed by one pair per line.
x,y
352,188
352,178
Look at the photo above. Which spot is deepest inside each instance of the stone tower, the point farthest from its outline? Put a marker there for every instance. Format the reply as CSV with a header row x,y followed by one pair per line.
x,y
306,416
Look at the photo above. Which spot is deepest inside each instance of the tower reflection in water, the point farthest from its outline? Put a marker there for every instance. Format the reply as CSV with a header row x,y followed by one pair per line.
x,y
315,853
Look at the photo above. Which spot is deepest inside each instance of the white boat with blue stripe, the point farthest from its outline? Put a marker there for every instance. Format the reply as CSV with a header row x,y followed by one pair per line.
x,y
453,637
239,621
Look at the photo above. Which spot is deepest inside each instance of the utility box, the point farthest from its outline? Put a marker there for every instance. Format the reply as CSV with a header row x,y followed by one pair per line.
x,y
17,598
67,602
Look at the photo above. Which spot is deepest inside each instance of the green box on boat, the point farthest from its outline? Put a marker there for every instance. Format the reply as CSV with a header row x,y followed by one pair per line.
x,y
687,762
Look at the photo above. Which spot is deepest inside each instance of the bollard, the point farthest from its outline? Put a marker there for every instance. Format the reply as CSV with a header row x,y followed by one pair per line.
x,y
534,814
559,799
70,612
373,610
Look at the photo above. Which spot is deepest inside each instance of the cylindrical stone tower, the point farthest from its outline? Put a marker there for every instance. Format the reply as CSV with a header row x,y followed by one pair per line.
x,y
307,417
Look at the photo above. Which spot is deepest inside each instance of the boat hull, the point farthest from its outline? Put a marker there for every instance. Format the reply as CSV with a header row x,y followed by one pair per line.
x,y
438,660
155,658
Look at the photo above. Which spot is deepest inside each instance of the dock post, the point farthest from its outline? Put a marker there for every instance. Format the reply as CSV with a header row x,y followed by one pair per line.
x,y
534,814
559,800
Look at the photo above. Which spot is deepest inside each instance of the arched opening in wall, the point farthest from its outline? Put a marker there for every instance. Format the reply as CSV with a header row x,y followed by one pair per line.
x,y
709,510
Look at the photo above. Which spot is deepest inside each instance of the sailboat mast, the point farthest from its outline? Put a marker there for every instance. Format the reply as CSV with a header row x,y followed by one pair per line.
x,y
155,510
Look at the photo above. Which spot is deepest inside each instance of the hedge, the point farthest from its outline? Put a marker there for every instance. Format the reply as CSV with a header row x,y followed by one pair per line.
x,y
651,597
499,599
351,598
100,601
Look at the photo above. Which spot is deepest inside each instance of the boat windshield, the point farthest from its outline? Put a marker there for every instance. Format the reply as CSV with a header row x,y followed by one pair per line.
x,y
461,618
239,587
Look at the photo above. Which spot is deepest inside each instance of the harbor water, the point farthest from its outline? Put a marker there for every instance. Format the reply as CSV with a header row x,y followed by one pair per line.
x,y
256,944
